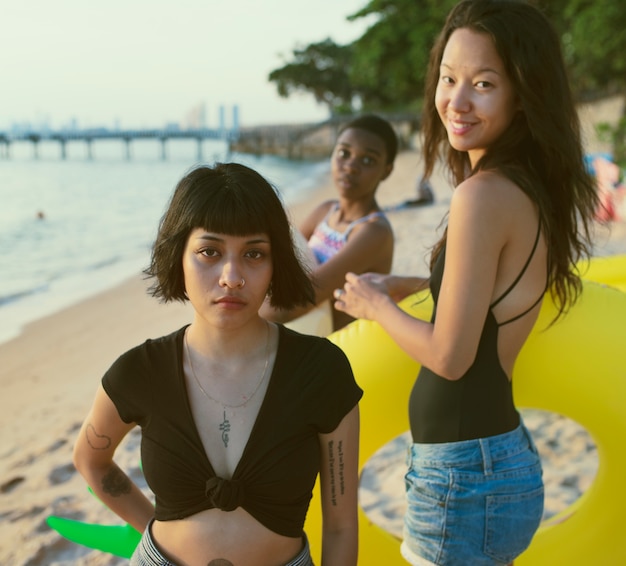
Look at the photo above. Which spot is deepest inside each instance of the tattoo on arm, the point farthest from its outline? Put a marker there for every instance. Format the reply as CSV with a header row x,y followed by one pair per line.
x,y
331,471
342,484
220,562
116,483
336,470
95,440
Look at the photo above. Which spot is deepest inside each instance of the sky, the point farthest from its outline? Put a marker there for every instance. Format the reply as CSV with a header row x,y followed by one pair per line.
x,y
147,63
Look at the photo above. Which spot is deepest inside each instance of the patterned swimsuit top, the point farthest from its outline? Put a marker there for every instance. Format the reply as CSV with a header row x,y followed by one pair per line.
x,y
326,242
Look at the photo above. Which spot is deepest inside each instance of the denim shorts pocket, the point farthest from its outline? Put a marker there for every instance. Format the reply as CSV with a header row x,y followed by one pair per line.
x,y
427,494
430,484
511,522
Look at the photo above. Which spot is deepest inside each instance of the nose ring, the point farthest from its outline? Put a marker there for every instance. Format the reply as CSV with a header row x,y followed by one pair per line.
x,y
243,282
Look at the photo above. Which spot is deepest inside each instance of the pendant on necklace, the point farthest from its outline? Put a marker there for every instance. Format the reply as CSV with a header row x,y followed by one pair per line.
x,y
225,428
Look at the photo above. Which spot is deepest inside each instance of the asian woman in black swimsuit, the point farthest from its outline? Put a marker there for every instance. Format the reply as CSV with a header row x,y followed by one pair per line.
x,y
499,110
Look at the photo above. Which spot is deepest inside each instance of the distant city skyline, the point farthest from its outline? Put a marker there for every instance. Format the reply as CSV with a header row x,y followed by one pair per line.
x,y
149,63
194,119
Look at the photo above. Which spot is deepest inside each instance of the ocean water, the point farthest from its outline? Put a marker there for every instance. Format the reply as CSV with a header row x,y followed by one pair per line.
x,y
75,227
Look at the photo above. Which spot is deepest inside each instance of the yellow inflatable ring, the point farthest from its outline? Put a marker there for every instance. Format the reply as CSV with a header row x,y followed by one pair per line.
x,y
577,368
610,270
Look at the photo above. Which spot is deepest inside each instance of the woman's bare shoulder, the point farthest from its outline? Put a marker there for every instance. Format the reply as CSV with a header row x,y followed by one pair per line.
x,y
316,215
491,192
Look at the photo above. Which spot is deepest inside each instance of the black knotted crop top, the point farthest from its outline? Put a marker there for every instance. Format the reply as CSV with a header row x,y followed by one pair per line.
x,y
311,389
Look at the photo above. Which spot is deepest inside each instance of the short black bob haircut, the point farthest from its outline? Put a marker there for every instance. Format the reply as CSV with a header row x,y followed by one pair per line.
x,y
228,198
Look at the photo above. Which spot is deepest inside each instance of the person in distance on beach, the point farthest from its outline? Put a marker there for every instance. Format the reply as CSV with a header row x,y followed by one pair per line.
x,y
350,233
520,218
238,415
425,194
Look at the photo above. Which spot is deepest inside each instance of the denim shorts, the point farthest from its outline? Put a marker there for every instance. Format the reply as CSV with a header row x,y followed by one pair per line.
x,y
148,554
475,502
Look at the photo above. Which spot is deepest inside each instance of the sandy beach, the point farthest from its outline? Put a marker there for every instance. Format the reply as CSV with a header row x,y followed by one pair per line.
x,y
48,376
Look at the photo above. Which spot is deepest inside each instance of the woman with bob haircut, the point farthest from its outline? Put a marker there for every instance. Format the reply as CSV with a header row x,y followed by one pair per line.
x,y
238,415
499,110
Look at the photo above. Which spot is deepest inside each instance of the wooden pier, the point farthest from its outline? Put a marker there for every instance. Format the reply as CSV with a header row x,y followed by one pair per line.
x,y
311,141
90,136
292,141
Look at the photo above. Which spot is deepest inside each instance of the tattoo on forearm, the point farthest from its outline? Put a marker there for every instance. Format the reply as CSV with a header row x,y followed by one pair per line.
x,y
95,440
336,468
116,483
331,472
220,562
342,483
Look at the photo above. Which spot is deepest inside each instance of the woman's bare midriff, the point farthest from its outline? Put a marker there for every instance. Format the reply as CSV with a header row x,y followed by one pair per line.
x,y
213,534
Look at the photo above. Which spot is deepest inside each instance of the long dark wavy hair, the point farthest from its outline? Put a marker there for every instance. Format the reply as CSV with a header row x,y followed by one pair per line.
x,y
233,199
541,151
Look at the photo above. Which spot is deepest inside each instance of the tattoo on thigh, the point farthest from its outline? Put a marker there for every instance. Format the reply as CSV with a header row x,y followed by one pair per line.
x,y
116,483
220,562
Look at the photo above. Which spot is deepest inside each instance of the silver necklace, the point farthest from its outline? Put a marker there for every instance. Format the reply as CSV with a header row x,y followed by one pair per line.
x,y
225,426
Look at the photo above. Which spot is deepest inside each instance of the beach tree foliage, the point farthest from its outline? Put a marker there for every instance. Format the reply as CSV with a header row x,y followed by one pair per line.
x,y
319,69
390,59
594,45
385,68
382,70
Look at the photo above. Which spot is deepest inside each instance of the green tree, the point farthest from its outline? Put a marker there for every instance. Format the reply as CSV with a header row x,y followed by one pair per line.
x,y
386,67
390,59
593,35
594,43
322,70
